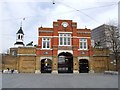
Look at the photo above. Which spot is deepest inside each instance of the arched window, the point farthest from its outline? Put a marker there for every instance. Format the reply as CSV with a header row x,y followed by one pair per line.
x,y
46,66
14,53
83,66
65,62
18,36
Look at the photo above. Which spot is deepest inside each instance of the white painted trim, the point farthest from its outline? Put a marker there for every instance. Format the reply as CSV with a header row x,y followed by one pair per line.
x,y
45,58
83,49
55,36
46,36
45,49
64,39
86,41
19,40
88,58
60,51
58,36
17,45
65,32
46,44
26,54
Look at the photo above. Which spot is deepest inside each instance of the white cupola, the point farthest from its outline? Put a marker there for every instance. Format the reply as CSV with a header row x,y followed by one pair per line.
x,y
19,38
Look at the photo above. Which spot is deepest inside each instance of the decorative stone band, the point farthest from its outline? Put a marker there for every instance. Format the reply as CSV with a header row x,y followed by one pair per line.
x,y
26,54
58,37
73,25
65,32
50,31
55,25
83,32
44,49
81,37
100,55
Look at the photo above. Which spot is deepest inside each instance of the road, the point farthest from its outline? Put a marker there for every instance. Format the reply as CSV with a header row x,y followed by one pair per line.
x,y
59,81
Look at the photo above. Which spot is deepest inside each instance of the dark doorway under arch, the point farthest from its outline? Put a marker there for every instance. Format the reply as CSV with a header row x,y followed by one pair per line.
x,y
65,62
83,66
46,66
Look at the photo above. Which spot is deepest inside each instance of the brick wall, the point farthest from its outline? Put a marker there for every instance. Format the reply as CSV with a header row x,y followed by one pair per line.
x,y
101,60
9,61
24,59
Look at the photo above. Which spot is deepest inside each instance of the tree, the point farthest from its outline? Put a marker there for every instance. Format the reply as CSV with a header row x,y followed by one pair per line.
x,y
113,40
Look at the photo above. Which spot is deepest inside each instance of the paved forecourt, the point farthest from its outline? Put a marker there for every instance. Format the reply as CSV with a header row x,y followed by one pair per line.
x,y
25,80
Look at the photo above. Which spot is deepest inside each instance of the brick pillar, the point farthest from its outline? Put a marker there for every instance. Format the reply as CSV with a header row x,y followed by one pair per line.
x,y
75,65
17,64
37,65
91,68
55,65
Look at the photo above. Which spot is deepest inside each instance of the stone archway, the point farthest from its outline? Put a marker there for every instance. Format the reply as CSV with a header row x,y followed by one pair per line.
x,y
65,62
83,66
46,65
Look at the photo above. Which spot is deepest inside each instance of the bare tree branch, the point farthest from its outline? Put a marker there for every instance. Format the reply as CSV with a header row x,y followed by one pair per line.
x,y
113,38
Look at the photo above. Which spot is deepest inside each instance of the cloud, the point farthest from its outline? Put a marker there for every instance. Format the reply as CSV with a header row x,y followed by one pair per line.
x,y
39,12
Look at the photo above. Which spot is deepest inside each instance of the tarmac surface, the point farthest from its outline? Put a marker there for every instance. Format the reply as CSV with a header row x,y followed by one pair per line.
x,y
27,80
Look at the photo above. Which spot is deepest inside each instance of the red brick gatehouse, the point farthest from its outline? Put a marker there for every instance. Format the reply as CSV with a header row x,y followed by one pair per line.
x,y
64,48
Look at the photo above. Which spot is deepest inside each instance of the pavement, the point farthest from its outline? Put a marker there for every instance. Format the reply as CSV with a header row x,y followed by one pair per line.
x,y
83,80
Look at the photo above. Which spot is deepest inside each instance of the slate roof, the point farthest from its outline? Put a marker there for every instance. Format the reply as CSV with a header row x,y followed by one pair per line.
x,y
20,31
19,43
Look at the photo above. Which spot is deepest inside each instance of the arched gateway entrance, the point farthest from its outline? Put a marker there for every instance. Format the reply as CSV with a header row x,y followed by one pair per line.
x,y
46,66
65,62
83,66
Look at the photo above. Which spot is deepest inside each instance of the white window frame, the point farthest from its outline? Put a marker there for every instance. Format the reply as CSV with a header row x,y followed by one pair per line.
x,y
64,35
46,42
83,40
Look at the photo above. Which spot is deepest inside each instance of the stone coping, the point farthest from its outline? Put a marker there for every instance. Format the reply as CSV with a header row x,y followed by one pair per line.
x,y
111,72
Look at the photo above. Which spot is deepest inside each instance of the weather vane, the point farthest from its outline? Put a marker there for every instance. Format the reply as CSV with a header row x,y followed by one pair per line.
x,y
21,21
53,1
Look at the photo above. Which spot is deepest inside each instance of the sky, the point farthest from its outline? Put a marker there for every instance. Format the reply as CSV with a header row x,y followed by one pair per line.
x,y
87,13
